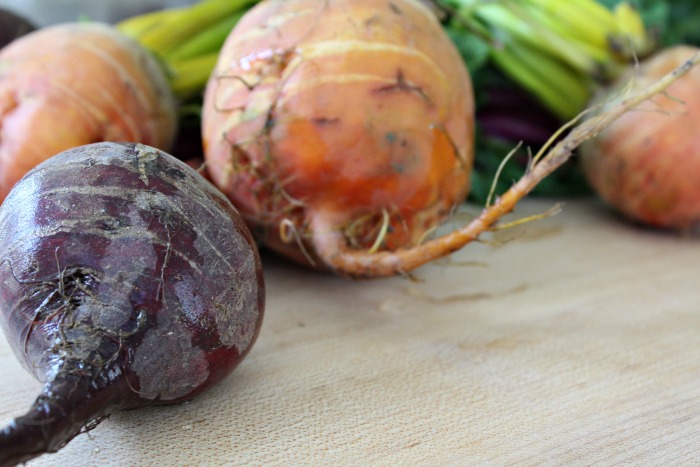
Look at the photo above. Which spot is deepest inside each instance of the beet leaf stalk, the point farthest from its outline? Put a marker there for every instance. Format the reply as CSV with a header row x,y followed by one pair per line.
x,y
559,51
187,40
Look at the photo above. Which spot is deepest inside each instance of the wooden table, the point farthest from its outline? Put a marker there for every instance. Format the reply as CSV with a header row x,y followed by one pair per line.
x,y
575,340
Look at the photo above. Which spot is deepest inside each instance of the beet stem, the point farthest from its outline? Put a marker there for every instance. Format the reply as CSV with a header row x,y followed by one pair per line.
x,y
76,399
332,247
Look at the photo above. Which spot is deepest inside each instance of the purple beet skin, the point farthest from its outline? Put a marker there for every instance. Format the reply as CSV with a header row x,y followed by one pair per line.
x,y
126,280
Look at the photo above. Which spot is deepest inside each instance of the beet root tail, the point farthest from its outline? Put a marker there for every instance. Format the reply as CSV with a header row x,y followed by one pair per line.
x,y
74,401
332,248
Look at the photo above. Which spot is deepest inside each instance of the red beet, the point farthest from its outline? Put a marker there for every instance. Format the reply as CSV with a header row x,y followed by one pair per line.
x,y
126,280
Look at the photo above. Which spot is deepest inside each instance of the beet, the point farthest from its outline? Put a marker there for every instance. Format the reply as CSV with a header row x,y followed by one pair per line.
x,y
341,128
78,83
126,280
646,164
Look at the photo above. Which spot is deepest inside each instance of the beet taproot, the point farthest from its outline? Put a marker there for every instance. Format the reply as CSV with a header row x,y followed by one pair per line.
x,y
126,280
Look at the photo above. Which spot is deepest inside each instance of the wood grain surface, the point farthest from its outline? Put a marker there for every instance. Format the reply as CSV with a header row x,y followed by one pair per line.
x,y
574,340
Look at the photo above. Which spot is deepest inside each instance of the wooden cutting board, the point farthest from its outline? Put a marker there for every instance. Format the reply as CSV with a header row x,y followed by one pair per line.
x,y
574,340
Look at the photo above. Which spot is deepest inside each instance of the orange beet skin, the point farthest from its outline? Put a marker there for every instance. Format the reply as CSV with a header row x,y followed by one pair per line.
x,y
647,163
73,84
341,115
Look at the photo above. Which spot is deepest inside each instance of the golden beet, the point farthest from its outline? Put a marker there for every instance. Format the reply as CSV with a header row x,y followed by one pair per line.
x,y
647,163
341,121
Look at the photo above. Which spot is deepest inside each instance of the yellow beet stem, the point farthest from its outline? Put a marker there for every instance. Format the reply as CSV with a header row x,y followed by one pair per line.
x,y
138,25
560,88
187,23
631,28
520,25
184,39
332,248
536,42
209,40
188,77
